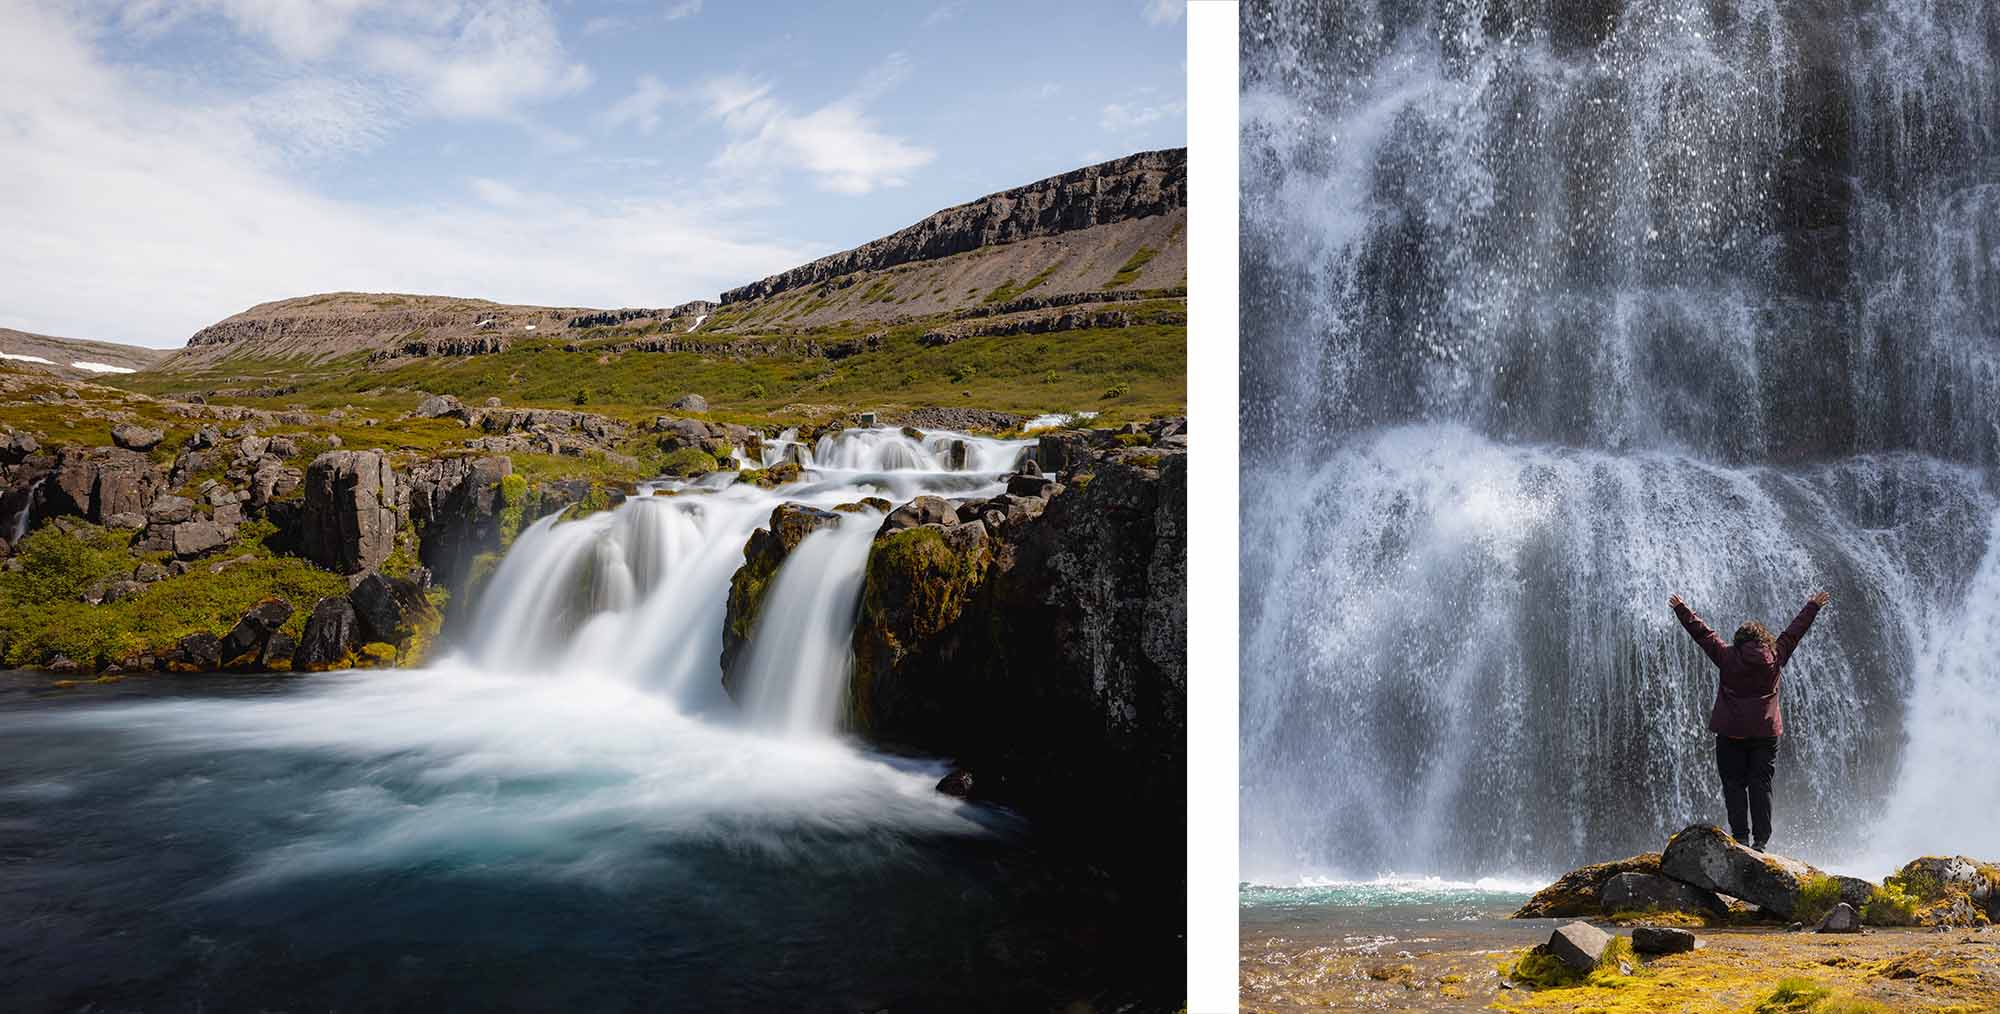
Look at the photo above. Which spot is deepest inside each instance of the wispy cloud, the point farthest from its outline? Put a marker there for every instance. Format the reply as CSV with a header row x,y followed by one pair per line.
x,y
1122,117
838,144
683,9
182,215
1164,12
640,109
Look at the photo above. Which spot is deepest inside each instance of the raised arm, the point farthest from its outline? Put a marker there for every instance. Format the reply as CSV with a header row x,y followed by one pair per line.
x,y
1789,640
1710,641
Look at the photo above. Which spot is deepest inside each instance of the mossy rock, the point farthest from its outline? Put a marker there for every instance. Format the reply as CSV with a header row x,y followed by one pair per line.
x,y
920,580
1575,894
375,655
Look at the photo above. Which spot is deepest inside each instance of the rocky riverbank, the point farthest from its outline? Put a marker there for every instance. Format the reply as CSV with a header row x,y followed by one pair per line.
x,y
1765,905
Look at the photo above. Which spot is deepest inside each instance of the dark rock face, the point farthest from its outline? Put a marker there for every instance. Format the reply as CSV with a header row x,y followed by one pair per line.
x,y
96,483
1646,892
134,437
1067,618
764,552
1662,940
198,653
957,783
454,505
244,645
1579,945
331,632
1136,186
351,511
1705,856
388,609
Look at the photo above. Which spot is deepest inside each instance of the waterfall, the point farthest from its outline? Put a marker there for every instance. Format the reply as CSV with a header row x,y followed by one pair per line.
x,y
801,653
1551,311
23,518
638,594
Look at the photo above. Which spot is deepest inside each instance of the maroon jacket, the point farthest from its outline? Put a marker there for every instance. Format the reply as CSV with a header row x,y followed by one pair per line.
x,y
1746,701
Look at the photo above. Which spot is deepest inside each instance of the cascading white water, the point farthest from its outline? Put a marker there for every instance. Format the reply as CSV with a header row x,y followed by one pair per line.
x,y
796,668
18,530
638,593
1551,311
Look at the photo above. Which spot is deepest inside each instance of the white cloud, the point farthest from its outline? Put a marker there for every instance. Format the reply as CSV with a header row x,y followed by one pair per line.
x,y
941,14
684,9
837,143
132,218
640,109
488,60
1129,116
1164,12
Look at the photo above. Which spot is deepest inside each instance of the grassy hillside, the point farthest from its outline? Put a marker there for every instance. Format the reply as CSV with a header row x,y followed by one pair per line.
x,y
1125,373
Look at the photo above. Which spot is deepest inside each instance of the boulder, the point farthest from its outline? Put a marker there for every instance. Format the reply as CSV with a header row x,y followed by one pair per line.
x,y
955,456
1577,893
1705,856
277,652
1647,892
388,609
170,510
199,653
1843,919
134,437
1854,891
1951,890
16,447
1662,940
1579,945
436,405
1038,486
351,511
957,783
924,510
690,403
244,644
193,538
329,635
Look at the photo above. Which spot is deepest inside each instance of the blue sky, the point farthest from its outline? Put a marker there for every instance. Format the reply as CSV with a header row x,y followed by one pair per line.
x,y
180,161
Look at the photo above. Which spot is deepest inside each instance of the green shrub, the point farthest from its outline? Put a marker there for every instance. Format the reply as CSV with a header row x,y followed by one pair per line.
x,y
962,372
1791,996
1890,905
1118,390
582,397
1817,896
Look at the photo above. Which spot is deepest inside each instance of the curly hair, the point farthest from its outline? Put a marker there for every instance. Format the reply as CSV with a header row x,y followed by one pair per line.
x,y
1754,631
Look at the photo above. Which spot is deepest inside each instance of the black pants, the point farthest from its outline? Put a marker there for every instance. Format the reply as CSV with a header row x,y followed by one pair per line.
x,y
1746,766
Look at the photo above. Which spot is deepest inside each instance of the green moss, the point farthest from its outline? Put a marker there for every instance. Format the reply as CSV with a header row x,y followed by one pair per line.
x,y
513,507
1008,290
688,462
1890,905
1129,271
42,614
1798,995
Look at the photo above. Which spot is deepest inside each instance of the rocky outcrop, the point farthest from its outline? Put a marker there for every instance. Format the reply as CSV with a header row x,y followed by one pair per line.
x,y
1055,609
1579,945
390,610
331,633
1136,186
134,437
764,552
961,419
98,483
243,647
1704,856
1950,890
455,507
351,511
